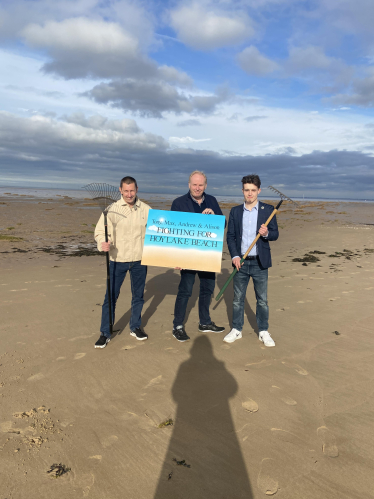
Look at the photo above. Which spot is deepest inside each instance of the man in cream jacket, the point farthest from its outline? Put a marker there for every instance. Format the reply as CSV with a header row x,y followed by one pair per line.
x,y
127,220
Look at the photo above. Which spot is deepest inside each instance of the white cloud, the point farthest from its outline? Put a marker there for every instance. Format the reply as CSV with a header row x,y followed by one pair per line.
x,y
362,93
81,48
81,34
185,140
253,62
98,122
152,98
153,228
301,58
205,29
39,135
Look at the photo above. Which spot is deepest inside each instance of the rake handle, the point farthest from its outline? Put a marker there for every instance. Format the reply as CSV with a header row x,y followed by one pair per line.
x,y
108,276
247,252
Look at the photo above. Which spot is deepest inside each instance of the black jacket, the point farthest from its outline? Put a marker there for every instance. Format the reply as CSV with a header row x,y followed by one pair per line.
x,y
185,203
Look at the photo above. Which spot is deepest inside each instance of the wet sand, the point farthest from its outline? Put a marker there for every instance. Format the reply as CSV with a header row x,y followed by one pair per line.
x,y
292,421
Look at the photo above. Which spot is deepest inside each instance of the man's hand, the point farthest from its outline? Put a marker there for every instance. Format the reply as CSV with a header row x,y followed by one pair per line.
x,y
105,246
236,262
208,211
263,230
178,268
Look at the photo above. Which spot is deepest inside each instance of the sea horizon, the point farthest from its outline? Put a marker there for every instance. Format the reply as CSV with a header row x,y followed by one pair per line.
x,y
80,193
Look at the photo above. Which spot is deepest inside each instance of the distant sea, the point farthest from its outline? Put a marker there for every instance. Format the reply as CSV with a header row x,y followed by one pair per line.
x,y
30,192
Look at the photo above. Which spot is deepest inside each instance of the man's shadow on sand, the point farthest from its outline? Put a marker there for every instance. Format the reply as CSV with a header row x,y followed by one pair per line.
x,y
228,297
156,290
204,435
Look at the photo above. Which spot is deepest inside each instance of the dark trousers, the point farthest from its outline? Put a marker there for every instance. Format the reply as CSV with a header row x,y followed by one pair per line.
x,y
207,283
118,271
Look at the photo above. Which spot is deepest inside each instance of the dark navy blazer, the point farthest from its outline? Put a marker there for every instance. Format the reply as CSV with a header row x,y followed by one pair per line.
x,y
185,203
235,230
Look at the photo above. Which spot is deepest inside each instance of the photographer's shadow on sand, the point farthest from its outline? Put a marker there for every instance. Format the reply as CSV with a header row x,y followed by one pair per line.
x,y
228,297
156,290
203,434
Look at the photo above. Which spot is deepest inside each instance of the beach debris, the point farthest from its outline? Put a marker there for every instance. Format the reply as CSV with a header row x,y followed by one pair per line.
x,y
336,332
170,475
168,422
307,258
72,250
10,238
57,470
182,463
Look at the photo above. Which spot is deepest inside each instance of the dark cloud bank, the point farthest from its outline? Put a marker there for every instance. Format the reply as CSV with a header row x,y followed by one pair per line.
x,y
67,154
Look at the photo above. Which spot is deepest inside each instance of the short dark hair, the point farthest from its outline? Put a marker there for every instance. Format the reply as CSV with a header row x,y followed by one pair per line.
x,y
129,180
252,179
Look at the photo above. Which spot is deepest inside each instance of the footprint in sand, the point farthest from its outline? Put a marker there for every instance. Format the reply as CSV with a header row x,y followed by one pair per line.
x,y
250,405
288,400
297,368
154,381
225,347
61,358
335,298
6,426
78,356
265,482
128,347
98,457
106,442
36,377
85,482
261,363
329,447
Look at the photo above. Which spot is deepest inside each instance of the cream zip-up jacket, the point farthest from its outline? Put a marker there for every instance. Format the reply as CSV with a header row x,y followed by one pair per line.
x,y
126,230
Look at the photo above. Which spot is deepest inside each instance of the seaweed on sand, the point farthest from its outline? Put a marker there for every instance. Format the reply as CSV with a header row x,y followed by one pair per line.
x,y
57,470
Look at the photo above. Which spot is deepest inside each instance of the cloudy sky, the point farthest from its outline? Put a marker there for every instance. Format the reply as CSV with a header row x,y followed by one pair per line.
x,y
92,90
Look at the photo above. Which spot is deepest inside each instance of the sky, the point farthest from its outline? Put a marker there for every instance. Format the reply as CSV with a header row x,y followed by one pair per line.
x,y
91,91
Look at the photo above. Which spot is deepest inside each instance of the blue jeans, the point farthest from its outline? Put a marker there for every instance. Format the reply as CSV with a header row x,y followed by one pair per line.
x,y
118,271
207,283
251,268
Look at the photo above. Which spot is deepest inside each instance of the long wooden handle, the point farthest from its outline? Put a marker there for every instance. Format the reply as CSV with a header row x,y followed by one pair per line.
x,y
247,252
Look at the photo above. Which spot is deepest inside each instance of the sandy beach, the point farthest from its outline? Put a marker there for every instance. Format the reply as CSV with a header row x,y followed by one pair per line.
x,y
159,419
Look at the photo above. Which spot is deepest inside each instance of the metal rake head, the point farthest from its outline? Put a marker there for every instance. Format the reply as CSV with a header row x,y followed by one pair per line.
x,y
103,194
282,196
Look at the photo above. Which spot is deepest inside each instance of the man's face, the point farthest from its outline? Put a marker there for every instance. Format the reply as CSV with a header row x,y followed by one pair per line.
x,y
197,185
128,192
251,192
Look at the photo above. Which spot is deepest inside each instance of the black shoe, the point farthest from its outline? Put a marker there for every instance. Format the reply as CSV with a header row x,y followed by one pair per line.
x,y
180,334
211,328
139,334
102,342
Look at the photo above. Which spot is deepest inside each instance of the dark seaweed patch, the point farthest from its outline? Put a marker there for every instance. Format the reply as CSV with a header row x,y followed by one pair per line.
x,y
57,470
182,463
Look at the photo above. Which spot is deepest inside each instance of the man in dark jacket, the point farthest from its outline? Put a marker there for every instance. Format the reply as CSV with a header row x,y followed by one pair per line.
x,y
245,221
195,201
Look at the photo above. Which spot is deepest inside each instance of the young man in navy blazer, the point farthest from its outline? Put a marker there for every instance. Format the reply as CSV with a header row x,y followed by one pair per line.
x,y
195,201
245,221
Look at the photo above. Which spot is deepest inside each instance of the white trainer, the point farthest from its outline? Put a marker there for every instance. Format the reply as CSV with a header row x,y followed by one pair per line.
x,y
266,339
233,335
